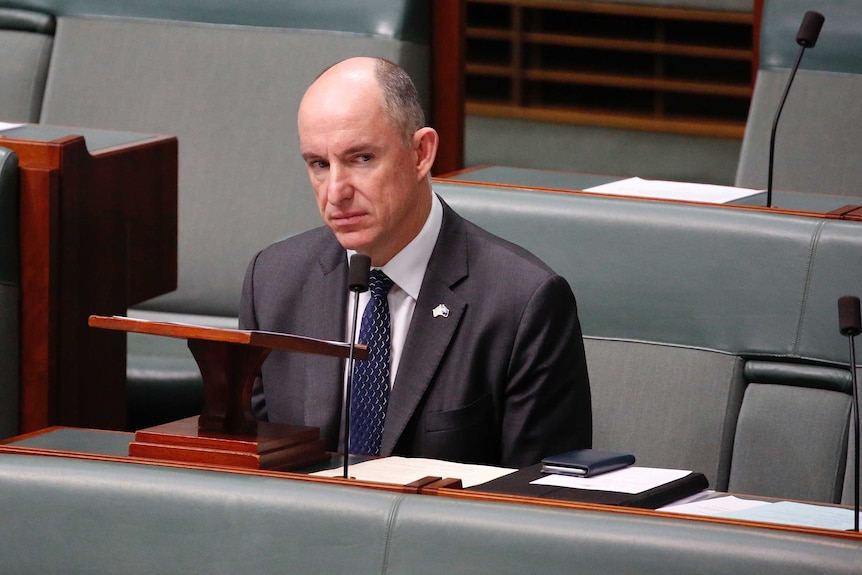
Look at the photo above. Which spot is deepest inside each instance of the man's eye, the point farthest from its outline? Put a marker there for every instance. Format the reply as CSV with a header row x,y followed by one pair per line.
x,y
364,158
319,164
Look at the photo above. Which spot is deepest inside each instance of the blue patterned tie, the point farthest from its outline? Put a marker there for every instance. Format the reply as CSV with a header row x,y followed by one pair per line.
x,y
370,392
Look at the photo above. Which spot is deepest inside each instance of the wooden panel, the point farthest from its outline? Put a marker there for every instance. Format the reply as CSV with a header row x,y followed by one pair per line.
x,y
447,83
643,67
98,234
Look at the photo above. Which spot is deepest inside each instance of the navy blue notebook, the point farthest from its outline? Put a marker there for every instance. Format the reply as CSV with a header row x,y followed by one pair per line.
x,y
586,462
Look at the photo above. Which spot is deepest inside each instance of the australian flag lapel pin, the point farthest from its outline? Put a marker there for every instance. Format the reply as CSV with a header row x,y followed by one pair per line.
x,y
440,311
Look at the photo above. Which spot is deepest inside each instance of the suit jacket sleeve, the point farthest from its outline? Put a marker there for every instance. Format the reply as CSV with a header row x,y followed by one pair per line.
x,y
547,407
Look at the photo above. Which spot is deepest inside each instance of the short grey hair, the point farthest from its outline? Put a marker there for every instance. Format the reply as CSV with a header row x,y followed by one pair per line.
x,y
400,99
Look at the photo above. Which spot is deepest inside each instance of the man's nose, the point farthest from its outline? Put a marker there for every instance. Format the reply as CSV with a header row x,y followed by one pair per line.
x,y
338,185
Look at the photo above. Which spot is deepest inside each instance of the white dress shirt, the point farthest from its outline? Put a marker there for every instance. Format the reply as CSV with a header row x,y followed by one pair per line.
x,y
406,270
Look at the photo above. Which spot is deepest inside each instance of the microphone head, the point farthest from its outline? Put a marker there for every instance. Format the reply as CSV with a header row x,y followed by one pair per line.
x,y
357,277
849,322
809,30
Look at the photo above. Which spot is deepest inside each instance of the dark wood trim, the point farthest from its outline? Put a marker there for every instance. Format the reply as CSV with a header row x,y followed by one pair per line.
x,y
441,490
447,83
757,20
98,234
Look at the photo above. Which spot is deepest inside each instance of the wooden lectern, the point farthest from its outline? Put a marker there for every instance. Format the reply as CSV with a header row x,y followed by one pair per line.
x,y
98,235
227,432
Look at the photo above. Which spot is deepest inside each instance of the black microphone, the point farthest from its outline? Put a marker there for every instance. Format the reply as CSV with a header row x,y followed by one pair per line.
x,y
848,315
357,282
850,324
806,37
357,276
809,30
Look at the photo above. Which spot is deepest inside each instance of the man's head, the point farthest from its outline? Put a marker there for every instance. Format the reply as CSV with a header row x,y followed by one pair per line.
x,y
368,155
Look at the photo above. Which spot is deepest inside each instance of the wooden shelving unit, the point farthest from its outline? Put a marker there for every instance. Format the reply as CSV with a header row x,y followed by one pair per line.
x,y
635,66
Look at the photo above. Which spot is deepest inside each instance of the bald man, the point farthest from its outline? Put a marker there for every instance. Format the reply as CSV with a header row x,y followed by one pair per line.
x,y
487,357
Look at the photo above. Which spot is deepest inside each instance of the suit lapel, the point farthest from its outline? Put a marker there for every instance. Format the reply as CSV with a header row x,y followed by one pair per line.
x,y
327,284
429,336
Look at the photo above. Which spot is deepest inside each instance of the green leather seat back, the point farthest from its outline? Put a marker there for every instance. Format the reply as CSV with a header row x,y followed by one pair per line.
x,y
791,437
76,516
821,124
26,38
853,460
505,539
62,515
732,280
406,20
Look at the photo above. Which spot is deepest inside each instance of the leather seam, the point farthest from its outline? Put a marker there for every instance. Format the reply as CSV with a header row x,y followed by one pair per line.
x,y
806,289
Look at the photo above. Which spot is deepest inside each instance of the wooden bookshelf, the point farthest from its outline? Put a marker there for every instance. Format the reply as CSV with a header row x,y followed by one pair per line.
x,y
636,66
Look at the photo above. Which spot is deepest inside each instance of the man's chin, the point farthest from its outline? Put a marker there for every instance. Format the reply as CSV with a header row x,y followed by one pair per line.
x,y
352,241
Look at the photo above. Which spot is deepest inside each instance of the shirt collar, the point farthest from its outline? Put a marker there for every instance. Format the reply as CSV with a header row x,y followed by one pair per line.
x,y
407,267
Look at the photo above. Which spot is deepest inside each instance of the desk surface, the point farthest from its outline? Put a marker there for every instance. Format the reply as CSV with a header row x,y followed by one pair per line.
x,y
575,181
530,177
95,140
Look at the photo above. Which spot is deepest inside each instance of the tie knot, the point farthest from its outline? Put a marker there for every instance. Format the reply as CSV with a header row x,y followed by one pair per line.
x,y
379,283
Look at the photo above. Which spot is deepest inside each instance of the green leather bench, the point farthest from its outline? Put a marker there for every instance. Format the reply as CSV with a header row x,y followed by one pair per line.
x,y
697,318
65,516
711,331
9,293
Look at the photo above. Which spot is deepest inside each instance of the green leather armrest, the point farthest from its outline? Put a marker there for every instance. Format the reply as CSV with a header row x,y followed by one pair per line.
x,y
399,19
26,21
9,273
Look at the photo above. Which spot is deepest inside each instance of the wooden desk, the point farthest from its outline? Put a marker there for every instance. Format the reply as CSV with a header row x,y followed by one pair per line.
x,y
113,446
98,234
799,203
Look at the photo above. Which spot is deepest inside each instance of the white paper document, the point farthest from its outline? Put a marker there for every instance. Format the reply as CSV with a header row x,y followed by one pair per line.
x,y
714,506
781,512
801,514
665,190
404,470
628,480
6,126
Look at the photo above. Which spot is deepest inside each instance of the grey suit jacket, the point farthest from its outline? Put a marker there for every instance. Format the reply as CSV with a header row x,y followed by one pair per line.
x,y
502,380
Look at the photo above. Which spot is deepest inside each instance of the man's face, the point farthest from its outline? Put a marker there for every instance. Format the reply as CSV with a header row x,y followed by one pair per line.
x,y
364,177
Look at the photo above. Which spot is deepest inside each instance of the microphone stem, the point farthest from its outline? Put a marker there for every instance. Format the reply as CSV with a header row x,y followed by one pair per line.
x,y
856,457
348,390
775,128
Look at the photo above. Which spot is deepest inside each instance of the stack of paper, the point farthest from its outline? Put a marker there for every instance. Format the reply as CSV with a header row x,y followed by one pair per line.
x,y
404,470
665,190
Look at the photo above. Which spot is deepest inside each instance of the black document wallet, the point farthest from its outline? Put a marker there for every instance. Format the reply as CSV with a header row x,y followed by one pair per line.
x,y
586,462
519,483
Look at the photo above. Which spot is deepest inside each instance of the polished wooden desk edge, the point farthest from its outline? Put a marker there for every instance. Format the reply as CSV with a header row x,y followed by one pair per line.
x,y
562,504
6,447
849,213
431,486
283,341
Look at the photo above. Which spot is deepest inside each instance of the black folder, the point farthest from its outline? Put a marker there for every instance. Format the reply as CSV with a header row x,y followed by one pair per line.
x,y
518,483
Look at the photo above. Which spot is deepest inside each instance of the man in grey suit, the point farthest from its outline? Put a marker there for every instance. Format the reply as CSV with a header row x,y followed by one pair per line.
x,y
487,357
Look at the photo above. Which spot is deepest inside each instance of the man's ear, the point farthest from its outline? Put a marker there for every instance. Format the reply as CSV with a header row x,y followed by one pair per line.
x,y
425,142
